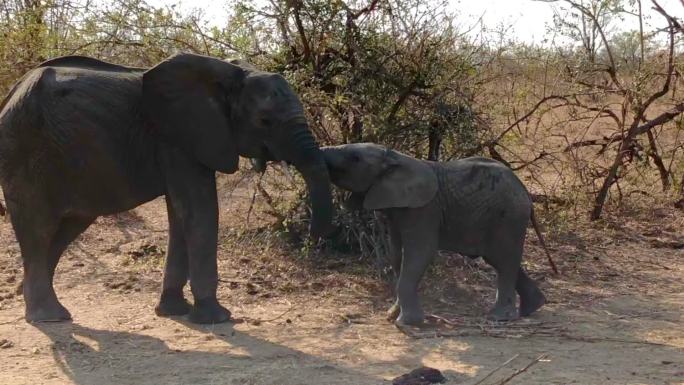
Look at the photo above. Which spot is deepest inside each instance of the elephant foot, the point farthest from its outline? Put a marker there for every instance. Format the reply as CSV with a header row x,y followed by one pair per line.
x,y
393,312
503,313
172,303
531,302
415,318
208,311
48,312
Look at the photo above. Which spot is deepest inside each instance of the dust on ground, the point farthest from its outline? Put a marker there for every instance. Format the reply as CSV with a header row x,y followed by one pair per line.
x,y
615,315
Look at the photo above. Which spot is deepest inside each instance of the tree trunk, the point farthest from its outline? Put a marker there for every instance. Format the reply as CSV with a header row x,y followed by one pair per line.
x,y
610,178
653,153
356,131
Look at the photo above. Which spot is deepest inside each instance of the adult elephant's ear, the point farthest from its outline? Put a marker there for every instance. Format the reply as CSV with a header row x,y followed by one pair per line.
x,y
408,182
187,101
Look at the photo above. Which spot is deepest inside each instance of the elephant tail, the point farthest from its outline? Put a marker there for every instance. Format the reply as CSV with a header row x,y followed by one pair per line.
x,y
535,224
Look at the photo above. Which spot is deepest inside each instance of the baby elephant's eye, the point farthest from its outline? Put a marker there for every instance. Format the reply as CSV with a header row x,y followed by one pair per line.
x,y
354,158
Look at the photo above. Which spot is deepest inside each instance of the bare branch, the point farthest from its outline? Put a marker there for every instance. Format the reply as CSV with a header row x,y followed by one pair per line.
x,y
660,119
612,69
668,79
367,9
296,7
671,19
528,114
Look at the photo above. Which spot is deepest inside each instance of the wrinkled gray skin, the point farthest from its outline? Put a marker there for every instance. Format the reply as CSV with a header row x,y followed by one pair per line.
x,y
474,206
80,138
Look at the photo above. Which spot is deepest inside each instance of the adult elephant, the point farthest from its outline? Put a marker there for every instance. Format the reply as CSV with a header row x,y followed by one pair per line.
x,y
80,138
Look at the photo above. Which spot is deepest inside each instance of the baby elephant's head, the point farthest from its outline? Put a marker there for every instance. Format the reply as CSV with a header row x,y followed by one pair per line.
x,y
354,167
386,178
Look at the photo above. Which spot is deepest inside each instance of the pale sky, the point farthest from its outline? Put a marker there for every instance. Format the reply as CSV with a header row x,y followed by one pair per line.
x,y
528,18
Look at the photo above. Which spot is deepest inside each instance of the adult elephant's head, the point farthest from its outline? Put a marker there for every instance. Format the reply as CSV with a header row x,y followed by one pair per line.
x,y
218,110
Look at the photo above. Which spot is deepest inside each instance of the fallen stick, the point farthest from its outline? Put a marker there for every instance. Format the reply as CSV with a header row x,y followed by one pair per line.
x,y
465,329
444,320
477,333
616,340
258,321
549,333
12,321
519,371
497,369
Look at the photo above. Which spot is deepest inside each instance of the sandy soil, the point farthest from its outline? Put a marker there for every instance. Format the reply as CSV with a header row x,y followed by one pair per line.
x,y
615,314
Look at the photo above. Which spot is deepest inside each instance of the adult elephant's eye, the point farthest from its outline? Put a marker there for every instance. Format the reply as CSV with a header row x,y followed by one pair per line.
x,y
354,158
265,121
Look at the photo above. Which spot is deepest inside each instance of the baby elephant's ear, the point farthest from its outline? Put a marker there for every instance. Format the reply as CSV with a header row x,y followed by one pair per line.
x,y
408,182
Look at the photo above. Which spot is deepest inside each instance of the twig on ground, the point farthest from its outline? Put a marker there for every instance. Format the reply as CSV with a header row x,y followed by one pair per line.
x,y
516,331
609,339
444,320
12,321
259,321
487,329
520,371
497,369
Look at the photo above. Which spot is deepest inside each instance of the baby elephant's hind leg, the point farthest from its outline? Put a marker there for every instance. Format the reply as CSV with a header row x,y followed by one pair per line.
x,y
531,298
506,266
396,255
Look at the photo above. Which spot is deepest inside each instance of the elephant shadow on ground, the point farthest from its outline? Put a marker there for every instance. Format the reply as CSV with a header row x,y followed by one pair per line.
x,y
95,356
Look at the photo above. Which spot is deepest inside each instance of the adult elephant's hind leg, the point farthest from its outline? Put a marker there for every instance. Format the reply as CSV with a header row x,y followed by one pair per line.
x,y
176,271
69,229
34,230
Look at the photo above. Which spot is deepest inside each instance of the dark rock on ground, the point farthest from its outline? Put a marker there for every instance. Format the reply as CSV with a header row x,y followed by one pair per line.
x,y
420,376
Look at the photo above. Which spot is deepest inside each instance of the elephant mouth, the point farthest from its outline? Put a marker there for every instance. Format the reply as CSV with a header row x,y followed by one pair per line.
x,y
260,161
335,169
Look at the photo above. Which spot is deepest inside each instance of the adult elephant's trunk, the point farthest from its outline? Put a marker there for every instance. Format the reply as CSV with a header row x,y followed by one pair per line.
x,y
307,157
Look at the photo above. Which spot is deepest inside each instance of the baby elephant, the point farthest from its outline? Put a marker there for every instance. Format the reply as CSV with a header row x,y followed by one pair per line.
x,y
474,206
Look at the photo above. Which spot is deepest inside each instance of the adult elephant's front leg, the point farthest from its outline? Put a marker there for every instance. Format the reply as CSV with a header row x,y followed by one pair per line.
x,y
191,189
176,270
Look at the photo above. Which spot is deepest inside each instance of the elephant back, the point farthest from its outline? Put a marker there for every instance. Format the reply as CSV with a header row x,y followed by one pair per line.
x,y
84,62
481,187
75,125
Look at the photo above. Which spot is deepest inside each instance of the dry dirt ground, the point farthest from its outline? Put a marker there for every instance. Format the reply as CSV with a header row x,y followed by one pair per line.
x,y
615,315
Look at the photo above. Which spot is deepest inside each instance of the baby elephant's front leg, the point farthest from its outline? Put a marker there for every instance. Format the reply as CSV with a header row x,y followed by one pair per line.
x,y
396,253
420,246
